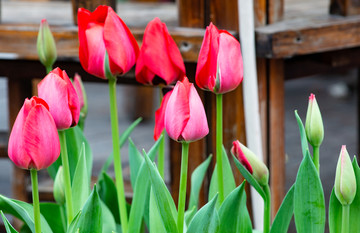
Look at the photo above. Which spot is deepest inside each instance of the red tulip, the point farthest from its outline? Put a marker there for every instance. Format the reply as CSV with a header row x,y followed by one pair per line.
x,y
160,116
160,60
57,90
185,118
101,32
220,67
34,141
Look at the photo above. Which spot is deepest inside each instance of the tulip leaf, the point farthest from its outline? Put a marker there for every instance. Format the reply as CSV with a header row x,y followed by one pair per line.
x,y
80,187
54,215
197,178
72,227
283,217
229,181
206,220
249,178
355,205
304,142
335,214
9,228
162,197
135,161
189,214
107,193
155,221
108,224
233,213
309,202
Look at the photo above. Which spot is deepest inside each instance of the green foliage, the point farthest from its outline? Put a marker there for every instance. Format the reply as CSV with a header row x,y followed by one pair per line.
x,y
9,228
283,217
54,215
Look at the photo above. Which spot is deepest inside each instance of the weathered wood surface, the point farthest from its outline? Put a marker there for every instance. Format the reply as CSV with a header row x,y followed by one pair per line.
x,y
345,7
4,137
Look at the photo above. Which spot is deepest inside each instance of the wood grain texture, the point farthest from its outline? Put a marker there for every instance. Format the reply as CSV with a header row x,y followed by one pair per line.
x,y
260,13
275,11
345,7
224,14
4,138
191,13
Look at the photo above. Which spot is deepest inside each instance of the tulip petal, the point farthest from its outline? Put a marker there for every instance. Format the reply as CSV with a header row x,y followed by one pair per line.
x,y
142,73
96,57
83,20
160,116
236,150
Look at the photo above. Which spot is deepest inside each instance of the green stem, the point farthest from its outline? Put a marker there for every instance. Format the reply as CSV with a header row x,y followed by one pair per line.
x,y
67,180
182,188
161,158
345,219
48,69
267,209
219,142
117,158
316,152
35,196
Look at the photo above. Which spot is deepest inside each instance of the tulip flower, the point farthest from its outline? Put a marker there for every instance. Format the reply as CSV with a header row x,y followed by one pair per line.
x,y
159,61
103,35
160,116
57,90
313,125
80,90
46,47
345,181
185,118
219,68
34,142
251,162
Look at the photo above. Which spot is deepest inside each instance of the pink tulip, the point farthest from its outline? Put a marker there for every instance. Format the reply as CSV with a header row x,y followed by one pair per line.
x,y
219,68
34,141
79,89
185,118
160,116
101,32
57,90
160,61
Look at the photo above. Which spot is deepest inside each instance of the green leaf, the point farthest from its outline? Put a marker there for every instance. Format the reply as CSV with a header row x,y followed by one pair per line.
x,y
304,142
309,202
189,214
73,225
135,160
355,205
197,178
80,187
233,214
162,197
156,223
108,221
229,181
335,214
206,220
54,215
108,194
90,219
23,211
9,228
283,217
249,178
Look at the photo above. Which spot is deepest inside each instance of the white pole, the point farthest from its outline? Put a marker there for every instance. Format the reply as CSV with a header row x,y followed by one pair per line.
x,y
251,97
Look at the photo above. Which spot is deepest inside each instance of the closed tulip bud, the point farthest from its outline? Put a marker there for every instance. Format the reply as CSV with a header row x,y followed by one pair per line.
x,y
313,125
81,92
185,118
46,47
345,181
160,116
251,162
160,60
57,90
59,193
220,66
34,141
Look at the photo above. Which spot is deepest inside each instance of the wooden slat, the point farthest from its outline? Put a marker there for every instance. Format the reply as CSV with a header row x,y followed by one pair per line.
x,y
275,11
224,14
307,35
191,13
260,12
345,7
4,138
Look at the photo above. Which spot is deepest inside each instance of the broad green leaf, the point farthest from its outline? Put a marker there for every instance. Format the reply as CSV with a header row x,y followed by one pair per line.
x,y
108,194
189,214
283,217
9,228
197,178
228,177
73,225
249,178
108,224
156,223
335,214
309,202
162,197
135,160
233,214
304,142
206,220
23,211
54,215
80,187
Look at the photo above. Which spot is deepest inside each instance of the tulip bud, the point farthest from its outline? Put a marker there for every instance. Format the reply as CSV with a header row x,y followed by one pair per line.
x,y
34,141
59,193
249,160
80,90
46,47
160,115
345,181
314,127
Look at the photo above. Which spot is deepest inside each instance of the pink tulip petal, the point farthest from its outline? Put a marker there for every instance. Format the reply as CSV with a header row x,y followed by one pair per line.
x,y
73,99
78,88
160,116
236,150
142,73
94,37
83,20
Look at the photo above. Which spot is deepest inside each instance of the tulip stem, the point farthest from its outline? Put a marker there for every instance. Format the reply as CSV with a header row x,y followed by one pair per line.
x,y
345,218
267,209
67,180
316,152
117,158
48,69
219,142
182,188
161,158
35,196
